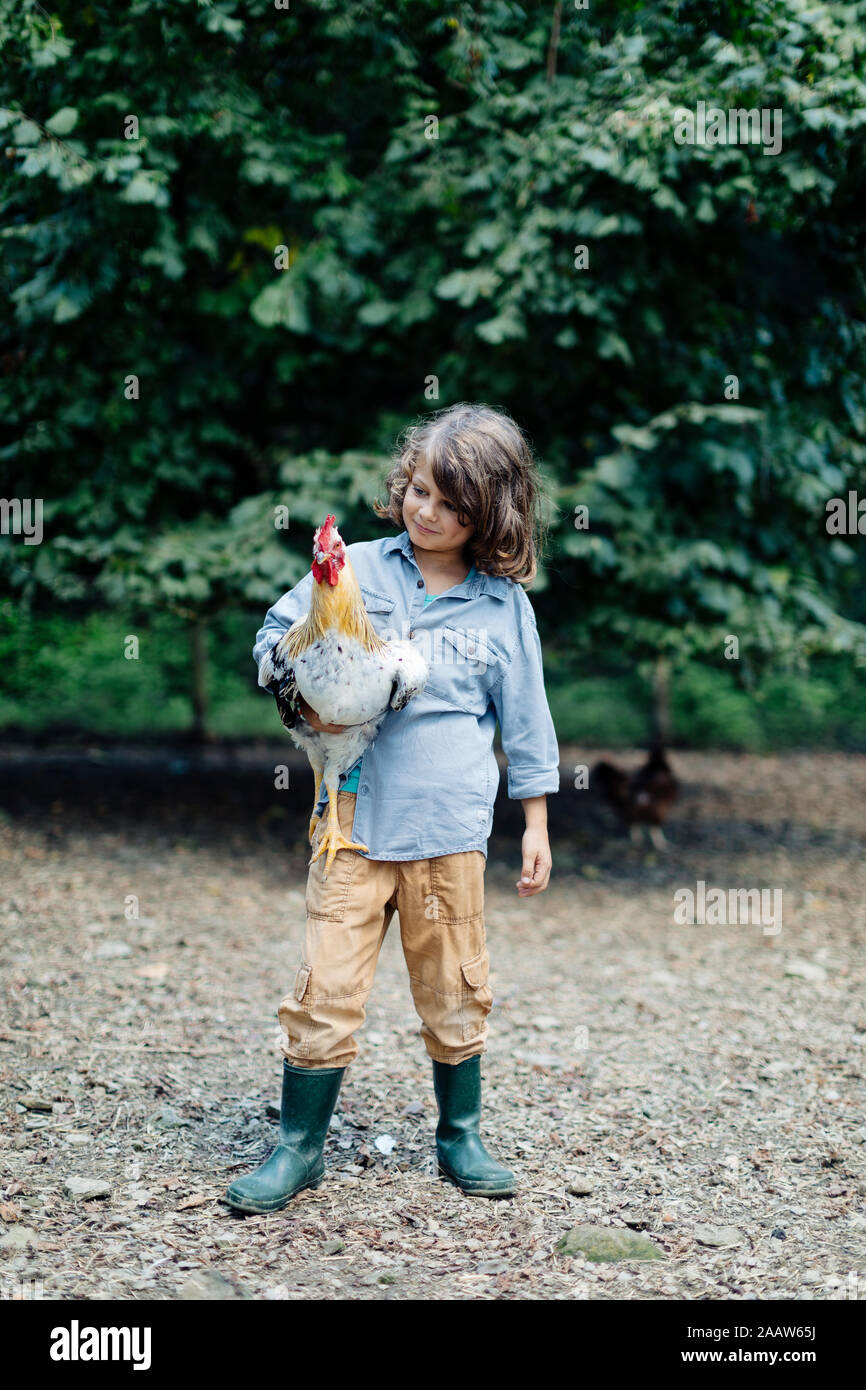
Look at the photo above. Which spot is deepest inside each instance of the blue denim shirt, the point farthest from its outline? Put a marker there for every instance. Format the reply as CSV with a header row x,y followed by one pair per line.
x,y
429,780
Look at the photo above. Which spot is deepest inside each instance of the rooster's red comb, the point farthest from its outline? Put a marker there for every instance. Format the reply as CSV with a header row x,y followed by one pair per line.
x,y
323,535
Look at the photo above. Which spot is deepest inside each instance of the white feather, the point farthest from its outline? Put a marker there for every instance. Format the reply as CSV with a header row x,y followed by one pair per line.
x,y
343,681
346,683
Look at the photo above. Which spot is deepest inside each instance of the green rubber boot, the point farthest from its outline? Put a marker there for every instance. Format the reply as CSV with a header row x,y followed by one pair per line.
x,y
307,1104
462,1156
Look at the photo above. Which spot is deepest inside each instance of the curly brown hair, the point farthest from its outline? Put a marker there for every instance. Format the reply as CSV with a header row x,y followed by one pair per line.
x,y
484,466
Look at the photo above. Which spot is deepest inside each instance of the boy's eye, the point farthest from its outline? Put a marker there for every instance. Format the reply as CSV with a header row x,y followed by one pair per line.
x,y
421,492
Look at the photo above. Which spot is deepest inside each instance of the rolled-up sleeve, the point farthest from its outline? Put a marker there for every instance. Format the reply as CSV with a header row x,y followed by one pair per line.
x,y
525,722
287,610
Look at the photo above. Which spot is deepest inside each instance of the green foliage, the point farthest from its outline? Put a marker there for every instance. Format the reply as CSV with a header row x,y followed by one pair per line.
x,y
301,138
60,677
716,712
599,710
94,689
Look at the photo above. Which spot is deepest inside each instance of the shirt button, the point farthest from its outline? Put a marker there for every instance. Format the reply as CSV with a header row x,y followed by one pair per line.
x,y
365,788
420,584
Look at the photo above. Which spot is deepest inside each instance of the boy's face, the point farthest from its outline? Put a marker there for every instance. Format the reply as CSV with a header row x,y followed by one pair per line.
x,y
429,517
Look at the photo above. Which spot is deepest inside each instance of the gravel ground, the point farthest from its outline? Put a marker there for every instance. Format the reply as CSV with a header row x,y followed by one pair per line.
x,y
702,1085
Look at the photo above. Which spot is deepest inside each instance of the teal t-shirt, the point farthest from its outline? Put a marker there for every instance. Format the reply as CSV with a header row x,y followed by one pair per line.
x,y
352,777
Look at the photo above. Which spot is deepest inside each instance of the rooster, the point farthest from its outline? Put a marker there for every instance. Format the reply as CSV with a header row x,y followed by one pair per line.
x,y
642,797
336,662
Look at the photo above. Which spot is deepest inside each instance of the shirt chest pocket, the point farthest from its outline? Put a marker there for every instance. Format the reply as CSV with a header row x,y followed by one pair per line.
x,y
464,667
380,611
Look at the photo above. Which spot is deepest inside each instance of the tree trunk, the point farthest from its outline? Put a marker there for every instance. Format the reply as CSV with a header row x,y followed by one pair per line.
x,y
554,41
661,718
198,652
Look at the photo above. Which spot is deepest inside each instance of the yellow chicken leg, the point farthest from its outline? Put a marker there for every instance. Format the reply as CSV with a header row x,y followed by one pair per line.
x,y
315,817
318,773
333,838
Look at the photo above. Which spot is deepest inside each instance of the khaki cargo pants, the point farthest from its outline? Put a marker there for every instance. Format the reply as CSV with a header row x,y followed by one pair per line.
x,y
441,907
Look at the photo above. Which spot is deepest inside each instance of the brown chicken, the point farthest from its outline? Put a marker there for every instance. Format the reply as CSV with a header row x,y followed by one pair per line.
x,y
644,797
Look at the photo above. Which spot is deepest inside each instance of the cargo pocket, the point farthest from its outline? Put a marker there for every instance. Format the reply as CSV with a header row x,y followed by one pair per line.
x,y
302,980
478,996
294,1015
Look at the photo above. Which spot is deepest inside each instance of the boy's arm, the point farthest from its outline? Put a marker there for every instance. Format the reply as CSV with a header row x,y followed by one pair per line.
x,y
525,722
287,610
529,743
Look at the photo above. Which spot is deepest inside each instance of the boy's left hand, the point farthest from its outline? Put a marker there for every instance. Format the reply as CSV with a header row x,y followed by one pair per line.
x,y
537,862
